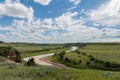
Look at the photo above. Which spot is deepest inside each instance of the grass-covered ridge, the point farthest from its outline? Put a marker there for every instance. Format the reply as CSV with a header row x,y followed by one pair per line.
x,y
88,62
30,49
104,52
103,56
9,52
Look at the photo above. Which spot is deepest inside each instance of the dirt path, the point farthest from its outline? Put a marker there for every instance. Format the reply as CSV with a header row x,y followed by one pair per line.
x,y
43,59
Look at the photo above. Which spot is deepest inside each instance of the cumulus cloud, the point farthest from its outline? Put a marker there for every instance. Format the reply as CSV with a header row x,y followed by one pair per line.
x,y
16,9
75,2
108,14
65,28
43,2
2,37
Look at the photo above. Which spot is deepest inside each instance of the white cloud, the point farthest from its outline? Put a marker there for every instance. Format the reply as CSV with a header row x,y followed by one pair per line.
x,y
75,2
63,29
16,9
43,2
3,37
108,14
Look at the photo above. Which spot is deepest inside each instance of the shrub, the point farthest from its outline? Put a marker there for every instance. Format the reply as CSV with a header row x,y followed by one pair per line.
x,y
67,59
30,62
77,51
80,61
74,62
21,74
61,55
96,60
55,54
83,53
90,56
11,65
107,64
10,53
2,59
92,59
88,63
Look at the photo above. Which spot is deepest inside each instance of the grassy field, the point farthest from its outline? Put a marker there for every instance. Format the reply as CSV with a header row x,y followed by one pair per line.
x,y
30,49
90,62
92,56
21,72
109,53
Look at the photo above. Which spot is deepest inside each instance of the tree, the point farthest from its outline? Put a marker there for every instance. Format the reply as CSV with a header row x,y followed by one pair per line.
x,y
30,62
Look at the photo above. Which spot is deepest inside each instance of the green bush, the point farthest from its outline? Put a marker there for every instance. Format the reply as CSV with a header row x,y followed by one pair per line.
x,y
80,61
30,62
88,63
67,59
92,59
61,54
11,65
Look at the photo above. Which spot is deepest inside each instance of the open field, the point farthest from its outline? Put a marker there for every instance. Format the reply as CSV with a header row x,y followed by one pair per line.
x,y
28,50
90,62
21,72
93,56
109,53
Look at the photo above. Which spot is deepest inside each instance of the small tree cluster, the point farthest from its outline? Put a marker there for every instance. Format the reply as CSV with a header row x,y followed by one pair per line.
x,y
61,55
30,62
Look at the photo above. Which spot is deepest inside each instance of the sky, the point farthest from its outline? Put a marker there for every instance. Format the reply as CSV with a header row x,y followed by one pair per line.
x,y
59,21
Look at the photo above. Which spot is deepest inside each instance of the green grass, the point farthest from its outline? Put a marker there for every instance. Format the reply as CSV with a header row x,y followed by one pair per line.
x,y
22,72
92,56
2,59
28,54
109,53
28,50
101,52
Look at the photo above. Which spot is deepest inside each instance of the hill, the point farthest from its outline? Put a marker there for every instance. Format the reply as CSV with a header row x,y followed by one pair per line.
x,y
9,52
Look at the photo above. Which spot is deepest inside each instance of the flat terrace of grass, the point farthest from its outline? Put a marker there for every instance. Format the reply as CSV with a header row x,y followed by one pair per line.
x,y
92,56
21,72
109,52
28,50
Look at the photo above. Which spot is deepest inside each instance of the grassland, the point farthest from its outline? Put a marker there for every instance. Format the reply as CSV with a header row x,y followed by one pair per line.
x,y
89,62
28,50
21,72
109,53
92,56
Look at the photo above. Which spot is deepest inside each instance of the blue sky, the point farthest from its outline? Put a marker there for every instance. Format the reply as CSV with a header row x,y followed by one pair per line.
x,y
59,21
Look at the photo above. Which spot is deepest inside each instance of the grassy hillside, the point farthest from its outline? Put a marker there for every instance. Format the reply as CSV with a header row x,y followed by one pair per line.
x,y
9,52
91,61
30,49
21,72
92,56
2,59
109,53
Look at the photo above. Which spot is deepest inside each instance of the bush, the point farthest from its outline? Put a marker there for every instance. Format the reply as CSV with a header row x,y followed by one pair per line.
x,y
90,56
67,59
11,65
77,51
107,64
75,62
88,63
96,60
92,59
61,55
80,61
10,53
30,62
83,53
2,59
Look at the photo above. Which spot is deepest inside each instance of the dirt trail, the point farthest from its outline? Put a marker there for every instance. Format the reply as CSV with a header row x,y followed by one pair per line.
x,y
43,59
